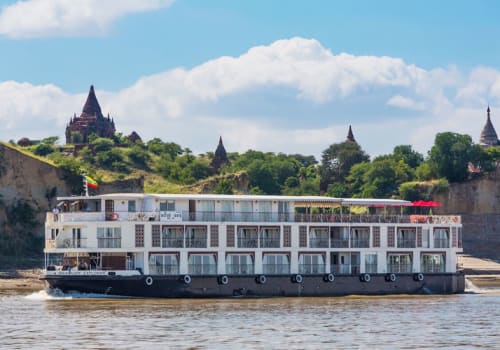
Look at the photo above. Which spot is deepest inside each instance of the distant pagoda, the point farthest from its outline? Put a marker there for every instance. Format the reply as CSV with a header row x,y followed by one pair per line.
x,y
489,136
90,121
220,157
350,136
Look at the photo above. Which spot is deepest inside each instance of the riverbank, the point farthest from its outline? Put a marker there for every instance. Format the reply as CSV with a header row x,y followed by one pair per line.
x,y
481,272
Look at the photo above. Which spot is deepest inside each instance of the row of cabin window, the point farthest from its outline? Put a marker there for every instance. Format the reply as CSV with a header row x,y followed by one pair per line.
x,y
276,264
270,237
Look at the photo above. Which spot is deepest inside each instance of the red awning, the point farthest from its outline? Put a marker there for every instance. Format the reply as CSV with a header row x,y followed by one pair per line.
x,y
421,203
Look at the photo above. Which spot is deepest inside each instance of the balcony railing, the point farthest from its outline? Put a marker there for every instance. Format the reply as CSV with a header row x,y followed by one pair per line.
x,y
239,269
269,242
339,243
441,243
196,269
196,243
407,243
109,242
371,268
247,242
84,216
172,242
275,269
164,269
318,242
428,268
399,268
312,268
360,243
345,269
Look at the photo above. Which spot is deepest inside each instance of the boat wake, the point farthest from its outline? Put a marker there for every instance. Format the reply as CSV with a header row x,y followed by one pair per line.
x,y
471,288
56,294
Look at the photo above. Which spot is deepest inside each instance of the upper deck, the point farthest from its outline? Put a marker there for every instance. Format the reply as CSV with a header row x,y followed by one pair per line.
x,y
238,208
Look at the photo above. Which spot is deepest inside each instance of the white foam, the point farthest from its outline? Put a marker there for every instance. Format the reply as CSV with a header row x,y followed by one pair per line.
x,y
471,288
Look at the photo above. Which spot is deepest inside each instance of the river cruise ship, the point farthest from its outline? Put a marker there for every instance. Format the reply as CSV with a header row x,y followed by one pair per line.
x,y
203,245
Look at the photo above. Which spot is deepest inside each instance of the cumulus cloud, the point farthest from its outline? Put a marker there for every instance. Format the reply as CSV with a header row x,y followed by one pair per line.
x,y
191,106
40,18
405,102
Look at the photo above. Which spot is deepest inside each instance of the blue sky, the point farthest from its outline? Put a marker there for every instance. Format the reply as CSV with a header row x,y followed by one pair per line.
x,y
281,76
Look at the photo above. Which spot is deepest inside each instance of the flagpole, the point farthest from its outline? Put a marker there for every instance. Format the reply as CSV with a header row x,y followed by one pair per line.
x,y
85,185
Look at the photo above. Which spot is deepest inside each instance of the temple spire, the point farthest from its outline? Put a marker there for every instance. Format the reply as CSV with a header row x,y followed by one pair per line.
x,y
489,136
91,106
220,156
350,136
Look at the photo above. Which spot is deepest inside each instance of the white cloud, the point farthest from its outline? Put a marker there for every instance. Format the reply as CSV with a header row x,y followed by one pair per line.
x,y
194,107
40,18
405,102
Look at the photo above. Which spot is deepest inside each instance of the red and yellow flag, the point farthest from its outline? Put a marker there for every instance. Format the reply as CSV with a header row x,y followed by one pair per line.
x,y
91,182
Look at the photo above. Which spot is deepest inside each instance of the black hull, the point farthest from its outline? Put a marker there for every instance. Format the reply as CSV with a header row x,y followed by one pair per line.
x,y
249,286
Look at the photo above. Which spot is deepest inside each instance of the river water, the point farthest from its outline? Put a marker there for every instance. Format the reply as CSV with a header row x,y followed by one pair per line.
x,y
39,321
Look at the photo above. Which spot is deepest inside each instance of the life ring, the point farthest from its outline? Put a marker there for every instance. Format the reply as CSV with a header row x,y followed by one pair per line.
x,y
114,216
297,278
419,277
261,279
186,279
392,277
365,277
149,280
223,279
329,277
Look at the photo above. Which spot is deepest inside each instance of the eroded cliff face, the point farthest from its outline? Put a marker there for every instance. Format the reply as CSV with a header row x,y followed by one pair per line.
x,y
24,178
480,196
27,179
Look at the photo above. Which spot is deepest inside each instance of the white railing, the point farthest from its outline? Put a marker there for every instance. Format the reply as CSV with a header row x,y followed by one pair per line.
x,y
185,216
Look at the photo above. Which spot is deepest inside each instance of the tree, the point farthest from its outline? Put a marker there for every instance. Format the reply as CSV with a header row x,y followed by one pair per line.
x,y
337,160
408,155
451,154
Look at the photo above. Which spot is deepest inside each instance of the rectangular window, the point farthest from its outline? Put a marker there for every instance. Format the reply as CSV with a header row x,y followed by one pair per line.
x,y
172,237
287,236
265,209
433,263
207,210
164,264
202,264
425,238
390,236
239,264
227,210
77,241
230,236
248,237
270,237
376,236
311,264
275,264
319,237
246,208
196,237
360,237
441,238
399,263
339,237
155,236
109,237
302,236
345,263
131,206
371,263
139,236
214,236
167,206
407,237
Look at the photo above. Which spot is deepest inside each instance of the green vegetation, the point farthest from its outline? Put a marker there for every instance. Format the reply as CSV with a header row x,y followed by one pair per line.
x,y
345,169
